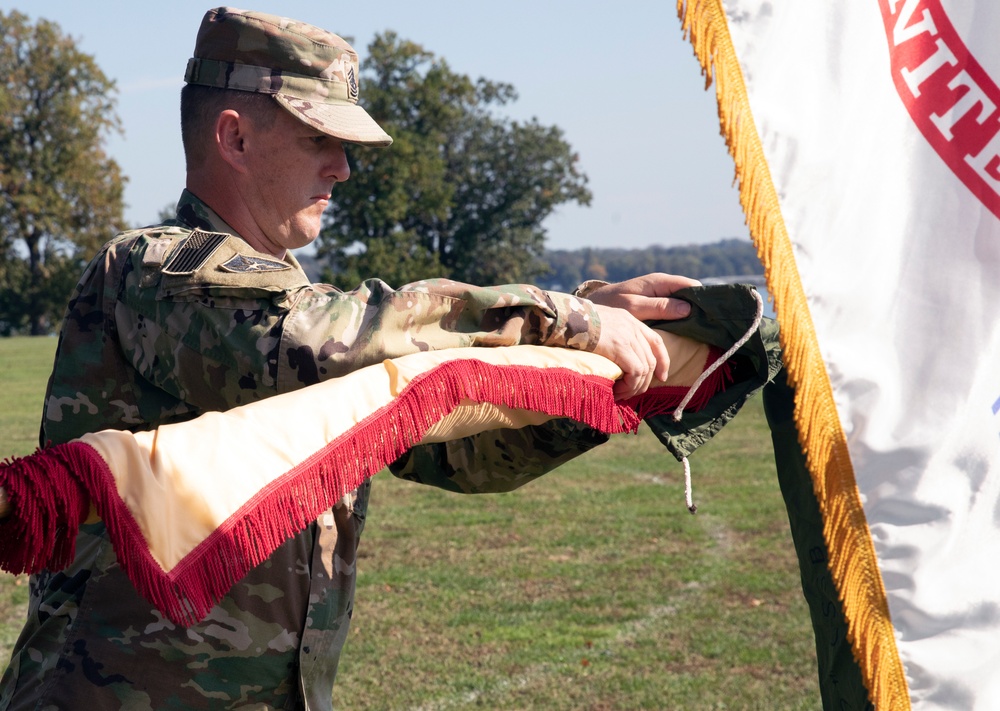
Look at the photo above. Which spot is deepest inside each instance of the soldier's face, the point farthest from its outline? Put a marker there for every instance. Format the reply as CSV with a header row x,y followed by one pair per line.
x,y
294,169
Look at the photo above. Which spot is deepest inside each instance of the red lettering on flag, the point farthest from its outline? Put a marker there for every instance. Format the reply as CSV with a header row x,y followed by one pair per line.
x,y
948,94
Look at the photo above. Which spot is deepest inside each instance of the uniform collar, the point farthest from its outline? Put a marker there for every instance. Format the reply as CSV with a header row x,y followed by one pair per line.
x,y
193,212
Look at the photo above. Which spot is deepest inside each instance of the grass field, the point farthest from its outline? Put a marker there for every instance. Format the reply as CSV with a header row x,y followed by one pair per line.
x,y
592,588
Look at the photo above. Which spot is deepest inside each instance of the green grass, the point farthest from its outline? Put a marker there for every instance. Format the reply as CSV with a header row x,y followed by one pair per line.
x,y
25,364
24,371
592,588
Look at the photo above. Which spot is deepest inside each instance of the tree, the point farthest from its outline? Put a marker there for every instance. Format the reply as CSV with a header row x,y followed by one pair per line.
x,y
61,194
462,192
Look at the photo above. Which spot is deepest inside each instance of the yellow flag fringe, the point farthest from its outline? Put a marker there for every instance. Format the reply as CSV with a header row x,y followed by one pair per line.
x,y
851,552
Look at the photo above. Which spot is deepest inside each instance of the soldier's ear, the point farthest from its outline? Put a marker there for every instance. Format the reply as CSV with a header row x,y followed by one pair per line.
x,y
230,138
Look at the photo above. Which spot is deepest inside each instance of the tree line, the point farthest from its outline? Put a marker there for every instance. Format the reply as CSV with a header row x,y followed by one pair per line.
x,y
564,269
462,193
727,257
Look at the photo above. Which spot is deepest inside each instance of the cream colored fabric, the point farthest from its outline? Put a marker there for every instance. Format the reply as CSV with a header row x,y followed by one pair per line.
x,y
687,361
183,481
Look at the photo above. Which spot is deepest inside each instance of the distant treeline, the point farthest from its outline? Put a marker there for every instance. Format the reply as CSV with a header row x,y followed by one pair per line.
x,y
569,267
729,257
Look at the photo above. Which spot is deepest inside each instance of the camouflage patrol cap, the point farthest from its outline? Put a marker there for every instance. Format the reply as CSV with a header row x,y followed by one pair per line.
x,y
311,72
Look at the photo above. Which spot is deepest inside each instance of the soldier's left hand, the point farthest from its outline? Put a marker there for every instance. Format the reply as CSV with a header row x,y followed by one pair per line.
x,y
647,297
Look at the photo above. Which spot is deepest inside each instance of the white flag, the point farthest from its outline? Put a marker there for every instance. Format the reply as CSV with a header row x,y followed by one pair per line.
x,y
866,137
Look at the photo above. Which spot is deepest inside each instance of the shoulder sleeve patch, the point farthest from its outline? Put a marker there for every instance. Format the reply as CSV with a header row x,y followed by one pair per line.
x,y
246,264
194,251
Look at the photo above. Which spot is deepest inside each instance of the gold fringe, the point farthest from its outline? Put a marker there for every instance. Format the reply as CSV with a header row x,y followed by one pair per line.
x,y
851,553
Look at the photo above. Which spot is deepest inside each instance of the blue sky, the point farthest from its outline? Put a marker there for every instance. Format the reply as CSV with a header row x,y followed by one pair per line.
x,y
619,79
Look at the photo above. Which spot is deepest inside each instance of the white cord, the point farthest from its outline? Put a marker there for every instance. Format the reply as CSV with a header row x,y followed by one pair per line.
x,y
688,491
758,316
679,412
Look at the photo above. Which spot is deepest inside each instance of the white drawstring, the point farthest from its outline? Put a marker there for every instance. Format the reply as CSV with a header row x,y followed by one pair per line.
x,y
688,491
679,412
758,316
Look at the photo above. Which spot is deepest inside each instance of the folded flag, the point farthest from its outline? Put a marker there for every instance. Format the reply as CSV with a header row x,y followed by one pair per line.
x,y
192,507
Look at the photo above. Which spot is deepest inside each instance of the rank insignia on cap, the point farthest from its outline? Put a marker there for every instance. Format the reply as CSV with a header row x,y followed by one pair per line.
x,y
352,85
242,264
194,251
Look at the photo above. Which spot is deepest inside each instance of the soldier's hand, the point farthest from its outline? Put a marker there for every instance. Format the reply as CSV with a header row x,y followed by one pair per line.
x,y
646,297
624,339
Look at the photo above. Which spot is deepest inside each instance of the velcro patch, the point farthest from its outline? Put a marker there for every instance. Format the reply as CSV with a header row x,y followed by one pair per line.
x,y
155,252
194,251
242,264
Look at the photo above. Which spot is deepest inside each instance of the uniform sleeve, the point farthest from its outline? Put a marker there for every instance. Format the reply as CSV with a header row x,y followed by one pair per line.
x,y
497,460
336,332
238,326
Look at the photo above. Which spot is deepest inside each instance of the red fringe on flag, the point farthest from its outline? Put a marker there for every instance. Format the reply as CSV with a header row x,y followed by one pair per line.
x,y
48,497
664,400
51,491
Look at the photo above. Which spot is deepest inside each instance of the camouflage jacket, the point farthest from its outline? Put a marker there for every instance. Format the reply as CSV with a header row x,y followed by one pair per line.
x,y
171,321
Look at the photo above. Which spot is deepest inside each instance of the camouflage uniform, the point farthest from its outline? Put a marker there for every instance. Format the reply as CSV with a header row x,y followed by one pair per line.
x,y
184,318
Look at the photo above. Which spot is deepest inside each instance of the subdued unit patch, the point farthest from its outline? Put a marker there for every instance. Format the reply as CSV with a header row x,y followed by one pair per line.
x,y
352,85
242,264
194,251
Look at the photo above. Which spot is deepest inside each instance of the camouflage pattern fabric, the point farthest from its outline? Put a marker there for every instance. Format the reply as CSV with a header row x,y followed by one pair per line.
x,y
501,460
252,51
183,318
311,72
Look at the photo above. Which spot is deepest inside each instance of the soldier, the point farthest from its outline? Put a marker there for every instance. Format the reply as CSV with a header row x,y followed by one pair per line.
x,y
209,311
